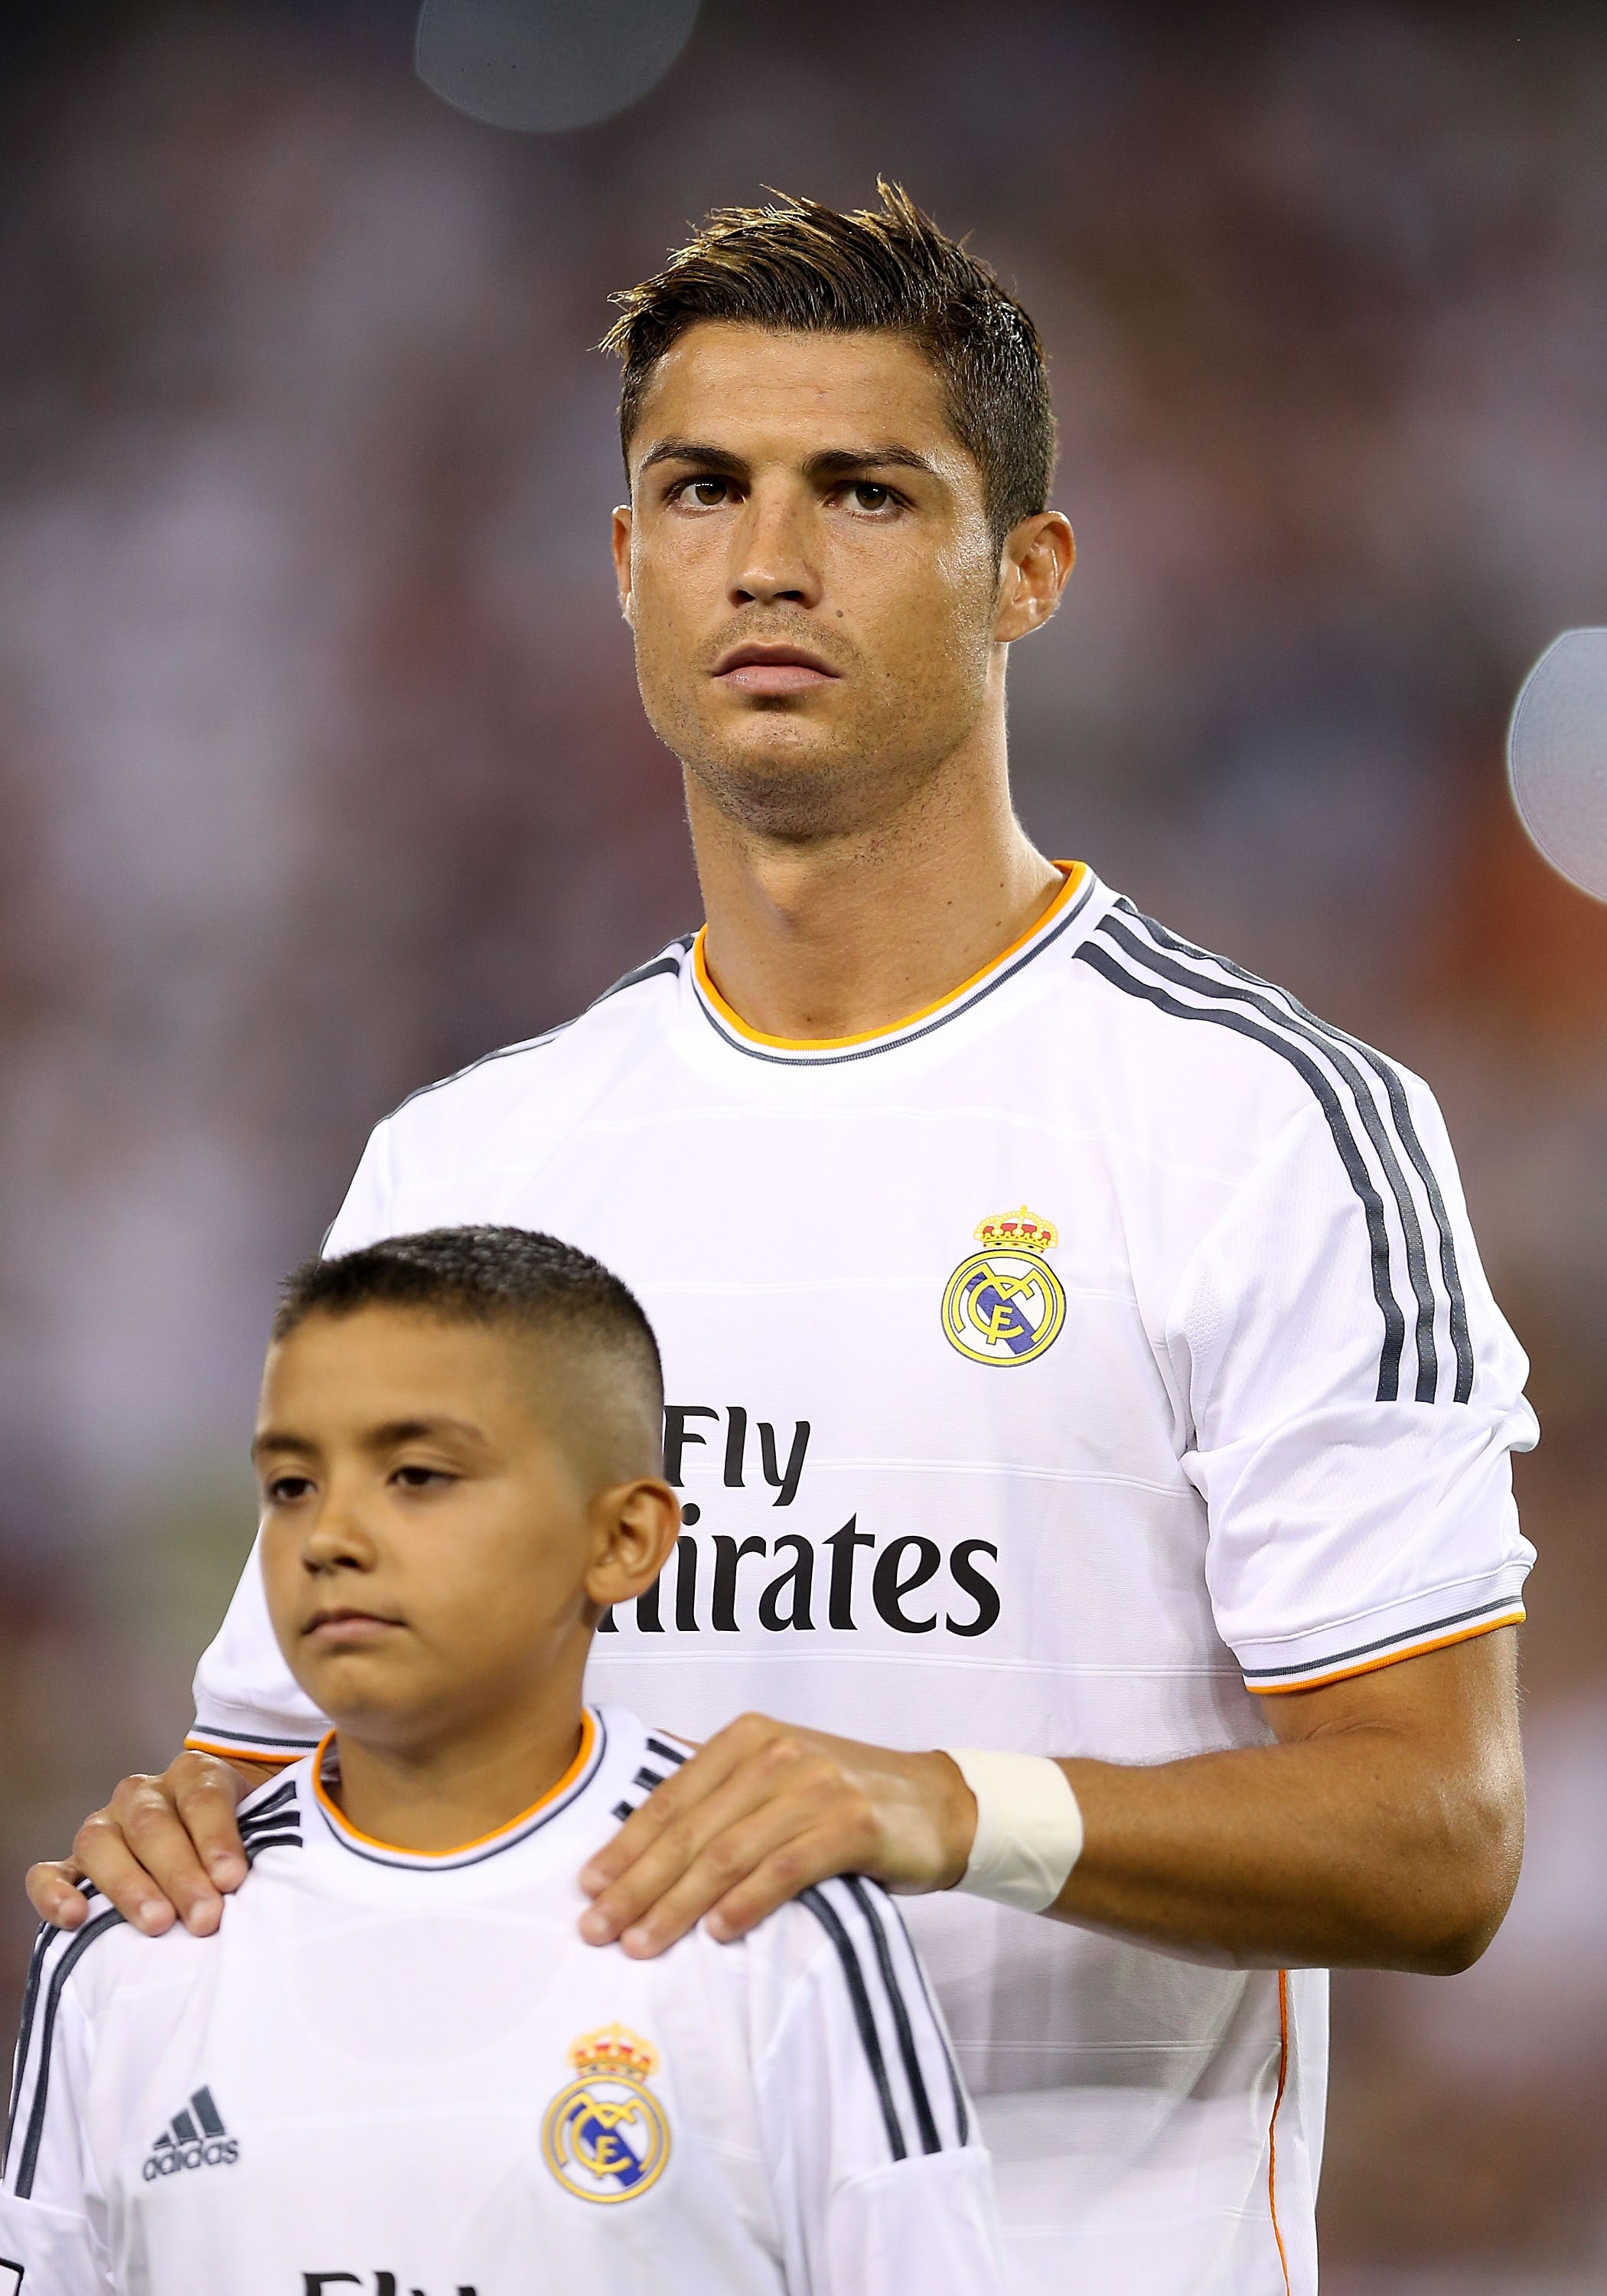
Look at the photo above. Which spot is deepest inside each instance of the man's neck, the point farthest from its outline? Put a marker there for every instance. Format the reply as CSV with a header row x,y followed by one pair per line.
x,y
456,1788
844,935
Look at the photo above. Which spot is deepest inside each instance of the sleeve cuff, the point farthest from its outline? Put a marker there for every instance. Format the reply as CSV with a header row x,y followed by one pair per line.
x,y
1272,1669
209,1736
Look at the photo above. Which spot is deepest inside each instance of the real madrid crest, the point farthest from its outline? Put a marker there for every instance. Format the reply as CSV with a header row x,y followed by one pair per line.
x,y
605,2137
1005,1304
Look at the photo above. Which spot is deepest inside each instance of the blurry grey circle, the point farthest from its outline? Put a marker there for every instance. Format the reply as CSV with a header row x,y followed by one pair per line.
x,y
1557,756
546,64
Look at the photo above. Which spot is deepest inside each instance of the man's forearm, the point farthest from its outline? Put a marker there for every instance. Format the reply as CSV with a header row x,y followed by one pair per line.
x,y
1350,1847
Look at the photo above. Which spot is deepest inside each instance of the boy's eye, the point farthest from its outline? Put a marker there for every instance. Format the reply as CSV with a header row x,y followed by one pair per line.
x,y
284,1490
420,1478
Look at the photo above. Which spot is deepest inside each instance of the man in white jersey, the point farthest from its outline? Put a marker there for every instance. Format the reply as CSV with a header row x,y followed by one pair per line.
x,y
396,2066
1075,1350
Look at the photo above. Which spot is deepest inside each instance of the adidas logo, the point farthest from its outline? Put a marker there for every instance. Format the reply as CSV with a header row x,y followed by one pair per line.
x,y
194,2138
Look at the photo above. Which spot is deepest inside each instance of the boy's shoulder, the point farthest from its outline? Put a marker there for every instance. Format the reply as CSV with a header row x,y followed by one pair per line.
x,y
104,1966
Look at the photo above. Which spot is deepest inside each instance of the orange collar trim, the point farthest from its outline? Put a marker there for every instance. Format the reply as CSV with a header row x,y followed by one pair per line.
x,y
338,1819
1075,871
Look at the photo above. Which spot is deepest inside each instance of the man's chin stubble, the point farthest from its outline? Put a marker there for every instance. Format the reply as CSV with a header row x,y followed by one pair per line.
x,y
796,791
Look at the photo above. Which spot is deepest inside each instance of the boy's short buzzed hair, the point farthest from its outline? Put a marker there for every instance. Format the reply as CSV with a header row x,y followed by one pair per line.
x,y
799,265
488,1276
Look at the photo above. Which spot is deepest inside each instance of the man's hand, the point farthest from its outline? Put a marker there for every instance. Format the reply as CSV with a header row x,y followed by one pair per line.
x,y
164,1849
1383,1831
763,1811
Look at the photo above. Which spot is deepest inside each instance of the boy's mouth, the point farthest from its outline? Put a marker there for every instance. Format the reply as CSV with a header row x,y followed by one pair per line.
x,y
343,1628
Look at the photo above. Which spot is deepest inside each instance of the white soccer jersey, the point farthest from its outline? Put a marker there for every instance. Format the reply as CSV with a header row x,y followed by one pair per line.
x,y
1053,1373
407,2076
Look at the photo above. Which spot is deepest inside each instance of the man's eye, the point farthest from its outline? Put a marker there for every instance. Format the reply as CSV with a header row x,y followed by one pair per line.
x,y
867,496
707,494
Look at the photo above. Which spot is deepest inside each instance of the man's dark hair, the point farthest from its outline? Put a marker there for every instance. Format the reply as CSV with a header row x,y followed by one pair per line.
x,y
801,265
485,1276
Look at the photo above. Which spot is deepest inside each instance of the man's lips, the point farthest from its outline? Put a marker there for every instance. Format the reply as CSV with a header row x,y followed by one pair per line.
x,y
773,669
347,1630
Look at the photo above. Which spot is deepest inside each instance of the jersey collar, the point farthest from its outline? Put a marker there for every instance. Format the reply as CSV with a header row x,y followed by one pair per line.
x,y
830,1052
568,1790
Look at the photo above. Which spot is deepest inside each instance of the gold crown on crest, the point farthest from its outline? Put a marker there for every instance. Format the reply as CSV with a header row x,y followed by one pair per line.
x,y
613,2050
1020,1230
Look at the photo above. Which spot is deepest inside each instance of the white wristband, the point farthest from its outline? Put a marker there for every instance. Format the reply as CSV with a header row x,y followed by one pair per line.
x,y
1029,1829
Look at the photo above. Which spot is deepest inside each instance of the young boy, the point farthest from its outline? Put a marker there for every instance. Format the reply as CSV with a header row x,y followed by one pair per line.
x,y
397,2068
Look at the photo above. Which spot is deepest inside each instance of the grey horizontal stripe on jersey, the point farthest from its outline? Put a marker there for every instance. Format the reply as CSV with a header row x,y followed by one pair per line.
x,y
931,2142
250,1737
1287,1011
864,2016
893,1042
1106,963
1384,1642
85,1936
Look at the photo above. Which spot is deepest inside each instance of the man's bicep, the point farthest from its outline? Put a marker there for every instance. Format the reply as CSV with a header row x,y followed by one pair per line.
x,y
1462,1699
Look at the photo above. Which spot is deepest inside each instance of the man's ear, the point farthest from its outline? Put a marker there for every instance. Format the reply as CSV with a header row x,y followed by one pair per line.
x,y
1033,567
636,1527
622,556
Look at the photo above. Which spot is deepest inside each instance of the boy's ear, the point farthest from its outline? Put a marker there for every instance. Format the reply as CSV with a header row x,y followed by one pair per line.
x,y
636,1527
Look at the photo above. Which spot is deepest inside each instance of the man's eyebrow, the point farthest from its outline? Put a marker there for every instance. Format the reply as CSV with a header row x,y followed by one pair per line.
x,y
829,462
837,462
692,450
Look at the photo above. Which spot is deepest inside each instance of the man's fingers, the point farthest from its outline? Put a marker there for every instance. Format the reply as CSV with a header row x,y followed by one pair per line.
x,y
686,1823
103,1855
797,1866
673,1802
730,1861
698,1861
205,1795
54,1894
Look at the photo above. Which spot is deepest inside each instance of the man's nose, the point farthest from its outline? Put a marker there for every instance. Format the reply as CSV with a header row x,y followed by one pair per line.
x,y
772,562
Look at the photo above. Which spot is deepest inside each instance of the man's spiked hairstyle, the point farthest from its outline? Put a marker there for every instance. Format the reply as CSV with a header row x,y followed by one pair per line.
x,y
801,266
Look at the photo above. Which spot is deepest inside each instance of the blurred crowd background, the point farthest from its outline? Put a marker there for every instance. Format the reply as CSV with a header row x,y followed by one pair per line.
x,y
322,769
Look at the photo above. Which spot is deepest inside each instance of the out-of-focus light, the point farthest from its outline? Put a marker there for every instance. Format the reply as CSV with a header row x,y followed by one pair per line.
x,y
1557,758
543,65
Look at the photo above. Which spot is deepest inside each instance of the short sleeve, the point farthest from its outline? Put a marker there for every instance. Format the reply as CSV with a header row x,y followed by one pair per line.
x,y
1354,1395
880,2181
48,2244
247,1701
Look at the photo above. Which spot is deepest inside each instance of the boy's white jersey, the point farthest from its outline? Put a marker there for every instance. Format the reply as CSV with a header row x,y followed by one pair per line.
x,y
407,2076
1054,1372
